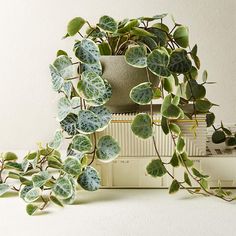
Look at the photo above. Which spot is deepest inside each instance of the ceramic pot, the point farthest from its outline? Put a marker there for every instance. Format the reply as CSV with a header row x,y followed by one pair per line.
x,y
123,78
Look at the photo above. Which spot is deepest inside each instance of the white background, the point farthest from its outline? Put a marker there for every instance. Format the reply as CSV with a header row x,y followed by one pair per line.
x,y
31,33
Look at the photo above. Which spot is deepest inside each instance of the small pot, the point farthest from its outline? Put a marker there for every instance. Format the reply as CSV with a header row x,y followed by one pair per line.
x,y
123,78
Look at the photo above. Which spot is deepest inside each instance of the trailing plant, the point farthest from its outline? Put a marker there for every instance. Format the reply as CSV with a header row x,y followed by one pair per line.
x,y
46,175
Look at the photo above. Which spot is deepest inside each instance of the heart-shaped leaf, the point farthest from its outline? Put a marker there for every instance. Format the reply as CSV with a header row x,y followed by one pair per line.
x,y
179,62
157,62
64,108
142,94
32,195
195,90
218,136
63,188
57,140
203,105
81,143
31,209
75,25
72,166
142,126
89,179
136,56
108,149
156,168
174,187
108,24
87,51
91,85
210,119
181,36
96,68
9,156
4,188
69,124
57,79
40,179
88,122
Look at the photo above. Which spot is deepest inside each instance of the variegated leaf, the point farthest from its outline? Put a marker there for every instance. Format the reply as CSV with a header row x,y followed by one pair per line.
x,y
56,143
81,143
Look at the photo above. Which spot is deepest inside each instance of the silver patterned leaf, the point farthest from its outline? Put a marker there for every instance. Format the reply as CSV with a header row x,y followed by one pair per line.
x,y
67,88
96,67
40,179
57,80
136,56
157,62
72,166
69,124
87,51
108,149
65,67
104,114
91,85
75,104
63,188
142,93
88,122
4,188
142,126
32,195
64,108
81,143
102,99
108,24
89,179
70,200
57,140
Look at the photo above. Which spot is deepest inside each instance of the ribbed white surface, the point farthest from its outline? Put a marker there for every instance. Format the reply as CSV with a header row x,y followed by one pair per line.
x,y
120,129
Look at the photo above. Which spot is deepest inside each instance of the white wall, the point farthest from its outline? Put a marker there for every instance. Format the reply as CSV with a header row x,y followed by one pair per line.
x,y
31,33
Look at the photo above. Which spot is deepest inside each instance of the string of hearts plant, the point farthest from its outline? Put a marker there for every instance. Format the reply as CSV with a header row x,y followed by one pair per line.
x,y
146,42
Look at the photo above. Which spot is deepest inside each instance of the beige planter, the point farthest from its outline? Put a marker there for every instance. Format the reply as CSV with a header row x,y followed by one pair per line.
x,y
123,78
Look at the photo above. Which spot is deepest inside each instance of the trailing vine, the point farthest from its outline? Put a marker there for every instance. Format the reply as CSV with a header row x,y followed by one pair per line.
x,y
46,176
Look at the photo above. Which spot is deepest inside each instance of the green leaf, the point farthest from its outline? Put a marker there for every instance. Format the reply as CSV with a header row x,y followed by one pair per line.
x,y
54,162
108,149
198,174
56,201
91,85
160,36
186,179
67,88
218,136
180,145
175,129
88,122
57,140
72,166
13,165
104,115
174,187
108,24
156,168
81,143
169,84
195,90
102,99
75,25
210,119
157,93
140,32
96,68
151,43
70,200
166,103
40,179
203,105
142,93
61,53
31,209
32,195
156,17
142,126
89,179
181,36
105,48
136,56
64,108
69,124
161,26
128,26
65,67
9,156
174,160
204,183
172,112
24,191
204,76
56,78
194,56
4,188
179,62
87,51
165,125
230,141
63,188
184,160
157,62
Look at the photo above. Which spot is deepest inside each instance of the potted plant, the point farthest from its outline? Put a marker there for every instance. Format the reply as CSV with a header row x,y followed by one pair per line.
x,y
123,65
